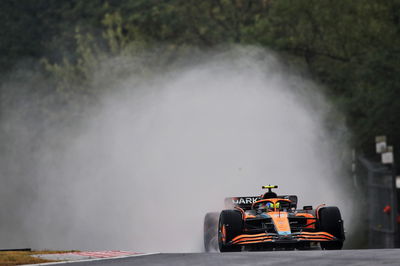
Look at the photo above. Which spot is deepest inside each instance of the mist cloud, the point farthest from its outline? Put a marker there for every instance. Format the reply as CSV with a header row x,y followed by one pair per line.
x,y
142,169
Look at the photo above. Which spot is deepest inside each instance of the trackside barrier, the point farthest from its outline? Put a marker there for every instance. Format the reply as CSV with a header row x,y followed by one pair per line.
x,y
381,204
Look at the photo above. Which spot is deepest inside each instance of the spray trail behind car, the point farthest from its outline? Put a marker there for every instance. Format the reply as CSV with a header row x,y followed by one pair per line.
x,y
144,170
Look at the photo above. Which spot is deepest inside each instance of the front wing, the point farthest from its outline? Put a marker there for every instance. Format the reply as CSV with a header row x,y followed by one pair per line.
x,y
275,238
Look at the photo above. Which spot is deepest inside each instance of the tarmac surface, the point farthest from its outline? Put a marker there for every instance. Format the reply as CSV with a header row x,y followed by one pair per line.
x,y
311,257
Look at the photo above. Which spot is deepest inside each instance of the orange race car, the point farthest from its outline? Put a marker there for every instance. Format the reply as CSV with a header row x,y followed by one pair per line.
x,y
269,222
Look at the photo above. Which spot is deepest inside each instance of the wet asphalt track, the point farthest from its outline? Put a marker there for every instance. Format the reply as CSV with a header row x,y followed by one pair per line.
x,y
312,257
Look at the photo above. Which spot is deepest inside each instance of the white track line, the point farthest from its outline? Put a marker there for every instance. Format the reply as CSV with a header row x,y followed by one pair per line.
x,y
87,260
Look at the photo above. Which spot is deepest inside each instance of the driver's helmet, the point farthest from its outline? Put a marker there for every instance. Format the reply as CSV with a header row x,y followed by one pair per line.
x,y
266,206
270,206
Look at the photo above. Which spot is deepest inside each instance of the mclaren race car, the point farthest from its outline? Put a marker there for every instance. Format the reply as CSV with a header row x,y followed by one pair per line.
x,y
270,222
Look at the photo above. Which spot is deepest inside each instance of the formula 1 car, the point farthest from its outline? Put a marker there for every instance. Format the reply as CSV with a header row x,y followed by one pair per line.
x,y
271,222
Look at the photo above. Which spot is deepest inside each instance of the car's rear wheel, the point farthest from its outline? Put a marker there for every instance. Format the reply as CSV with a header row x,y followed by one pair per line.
x,y
230,226
330,221
211,231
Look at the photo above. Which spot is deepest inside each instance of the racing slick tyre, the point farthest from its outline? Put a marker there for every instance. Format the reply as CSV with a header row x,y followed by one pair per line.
x,y
330,221
211,231
229,226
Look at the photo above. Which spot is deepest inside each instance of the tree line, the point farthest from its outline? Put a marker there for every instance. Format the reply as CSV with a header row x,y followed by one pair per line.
x,y
352,48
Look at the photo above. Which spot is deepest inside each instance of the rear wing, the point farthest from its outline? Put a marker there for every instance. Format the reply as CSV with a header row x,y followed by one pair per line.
x,y
246,202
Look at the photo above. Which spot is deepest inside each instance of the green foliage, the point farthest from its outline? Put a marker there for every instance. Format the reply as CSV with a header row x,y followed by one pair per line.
x,y
351,47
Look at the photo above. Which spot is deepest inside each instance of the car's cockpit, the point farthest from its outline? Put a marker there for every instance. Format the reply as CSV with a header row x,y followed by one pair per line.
x,y
272,205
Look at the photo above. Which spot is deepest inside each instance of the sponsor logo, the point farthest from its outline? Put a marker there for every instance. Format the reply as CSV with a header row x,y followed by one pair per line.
x,y
280,215
246,200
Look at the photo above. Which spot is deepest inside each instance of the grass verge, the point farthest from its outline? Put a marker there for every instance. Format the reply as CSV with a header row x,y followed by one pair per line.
x,y
24,257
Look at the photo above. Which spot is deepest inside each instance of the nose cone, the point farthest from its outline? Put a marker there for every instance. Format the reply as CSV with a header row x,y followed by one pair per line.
x,y
281,223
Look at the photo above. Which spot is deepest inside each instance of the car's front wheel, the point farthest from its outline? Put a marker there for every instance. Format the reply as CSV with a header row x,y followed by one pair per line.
x,y
330,221
230,225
